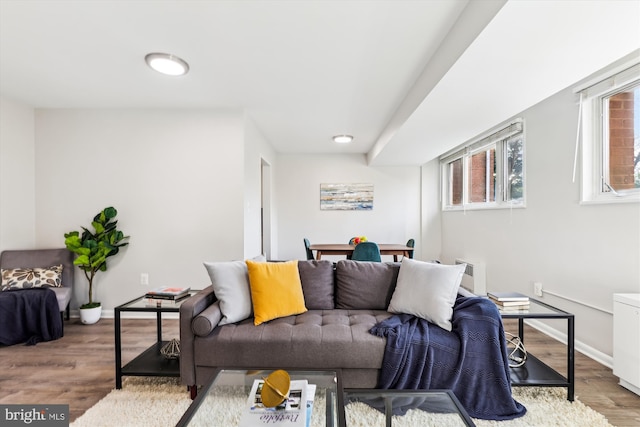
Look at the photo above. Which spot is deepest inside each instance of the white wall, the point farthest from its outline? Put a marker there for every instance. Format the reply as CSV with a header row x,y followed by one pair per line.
x,y
17,179
396,206
257,150
585,252
431,212
175,176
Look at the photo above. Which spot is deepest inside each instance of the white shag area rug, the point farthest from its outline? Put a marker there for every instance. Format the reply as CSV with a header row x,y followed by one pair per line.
x,y
161,402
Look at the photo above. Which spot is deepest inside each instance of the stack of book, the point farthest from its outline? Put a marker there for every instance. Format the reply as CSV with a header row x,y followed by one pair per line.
x,y
166,295
295,411
509,300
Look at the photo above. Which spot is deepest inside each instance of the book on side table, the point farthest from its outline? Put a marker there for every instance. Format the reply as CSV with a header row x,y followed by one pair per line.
x,y
164,302
509,300
168,293
295,411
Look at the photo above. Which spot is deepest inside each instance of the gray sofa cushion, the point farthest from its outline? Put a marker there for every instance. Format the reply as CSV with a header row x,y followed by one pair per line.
x,y
63,295
317,284
318,339
365,285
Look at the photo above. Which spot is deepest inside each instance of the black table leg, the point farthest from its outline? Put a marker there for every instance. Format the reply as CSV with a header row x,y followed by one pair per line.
x,y
118,350
521,329
159,325
570,359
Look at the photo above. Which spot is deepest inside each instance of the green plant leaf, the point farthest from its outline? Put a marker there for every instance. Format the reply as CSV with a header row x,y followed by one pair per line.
x,y
82,260
98,227
83,251
110,212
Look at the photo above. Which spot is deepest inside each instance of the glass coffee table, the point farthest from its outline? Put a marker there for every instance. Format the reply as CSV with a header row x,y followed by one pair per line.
x,y
223,399
422,407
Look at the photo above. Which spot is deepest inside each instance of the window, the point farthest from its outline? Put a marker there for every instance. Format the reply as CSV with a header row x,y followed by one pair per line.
x,y
486,173
611,138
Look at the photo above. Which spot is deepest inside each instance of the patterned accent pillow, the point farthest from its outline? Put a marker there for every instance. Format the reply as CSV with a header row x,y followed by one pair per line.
x,y
25,278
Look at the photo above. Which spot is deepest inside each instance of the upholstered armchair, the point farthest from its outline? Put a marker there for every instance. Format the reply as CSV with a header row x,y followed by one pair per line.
x,y
42,258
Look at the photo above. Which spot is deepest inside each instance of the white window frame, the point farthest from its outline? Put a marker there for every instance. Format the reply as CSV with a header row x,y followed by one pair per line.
x,y
497,138
594,129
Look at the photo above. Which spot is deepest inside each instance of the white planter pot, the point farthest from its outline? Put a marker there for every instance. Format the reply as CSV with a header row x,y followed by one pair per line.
x,y
89,316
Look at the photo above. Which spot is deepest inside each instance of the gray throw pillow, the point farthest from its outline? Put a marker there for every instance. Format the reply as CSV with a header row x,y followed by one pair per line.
x,y
427,290
317,284
230,281
365,285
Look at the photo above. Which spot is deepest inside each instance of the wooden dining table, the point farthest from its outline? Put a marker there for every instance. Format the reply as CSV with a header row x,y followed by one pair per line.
x,y
394,249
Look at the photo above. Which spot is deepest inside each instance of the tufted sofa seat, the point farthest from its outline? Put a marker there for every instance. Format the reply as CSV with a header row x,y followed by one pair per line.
x,y
330,338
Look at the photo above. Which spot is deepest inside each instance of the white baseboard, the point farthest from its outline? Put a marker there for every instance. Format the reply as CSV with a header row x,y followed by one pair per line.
x,y
583,348
630,386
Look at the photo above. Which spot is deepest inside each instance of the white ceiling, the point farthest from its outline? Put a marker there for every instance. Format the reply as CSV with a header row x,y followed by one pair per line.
x,y
409,79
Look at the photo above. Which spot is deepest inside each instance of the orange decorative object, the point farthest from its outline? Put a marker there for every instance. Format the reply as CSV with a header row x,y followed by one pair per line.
x,y
276,388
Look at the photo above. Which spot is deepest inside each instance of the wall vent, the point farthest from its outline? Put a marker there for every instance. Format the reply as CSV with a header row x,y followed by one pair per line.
x,y
475,277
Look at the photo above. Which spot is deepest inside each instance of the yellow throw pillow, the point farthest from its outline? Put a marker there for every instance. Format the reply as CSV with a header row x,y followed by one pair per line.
x,y
276,290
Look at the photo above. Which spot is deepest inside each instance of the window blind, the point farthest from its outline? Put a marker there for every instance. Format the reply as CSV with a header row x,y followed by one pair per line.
x,y
600,86
502,134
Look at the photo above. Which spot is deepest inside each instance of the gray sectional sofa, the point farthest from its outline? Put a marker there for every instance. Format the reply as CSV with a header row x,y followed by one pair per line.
x,y
343,304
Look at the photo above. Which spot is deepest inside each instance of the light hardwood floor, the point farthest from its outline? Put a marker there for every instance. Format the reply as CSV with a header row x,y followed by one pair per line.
x,y
79,368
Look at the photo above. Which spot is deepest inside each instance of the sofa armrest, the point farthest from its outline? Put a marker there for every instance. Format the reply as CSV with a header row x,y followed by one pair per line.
x,y
465,293
189,309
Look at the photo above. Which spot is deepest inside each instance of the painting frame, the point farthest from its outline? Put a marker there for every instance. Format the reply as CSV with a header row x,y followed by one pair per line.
x,y
346,196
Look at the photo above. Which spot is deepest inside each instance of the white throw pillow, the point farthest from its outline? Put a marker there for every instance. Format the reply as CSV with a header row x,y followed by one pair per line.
x,y
427,290
230,280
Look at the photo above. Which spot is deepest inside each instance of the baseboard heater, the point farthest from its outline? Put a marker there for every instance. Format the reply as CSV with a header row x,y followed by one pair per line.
x,y
475,277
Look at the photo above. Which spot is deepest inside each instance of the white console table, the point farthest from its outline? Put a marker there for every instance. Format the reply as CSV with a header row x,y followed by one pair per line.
x,y
626,340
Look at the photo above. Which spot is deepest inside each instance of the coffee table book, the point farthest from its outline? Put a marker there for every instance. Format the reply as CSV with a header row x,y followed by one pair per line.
x,y
311,393
292,412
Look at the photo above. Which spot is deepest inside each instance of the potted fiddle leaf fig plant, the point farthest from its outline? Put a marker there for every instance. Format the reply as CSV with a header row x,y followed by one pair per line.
x,y
92,248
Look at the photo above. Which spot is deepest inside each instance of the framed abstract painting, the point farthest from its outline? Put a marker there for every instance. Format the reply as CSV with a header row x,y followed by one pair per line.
x,y
346,197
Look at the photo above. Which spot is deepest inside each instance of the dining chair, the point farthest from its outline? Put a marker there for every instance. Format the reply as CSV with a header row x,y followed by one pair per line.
x,y
366,251
352,242
412,244
307,248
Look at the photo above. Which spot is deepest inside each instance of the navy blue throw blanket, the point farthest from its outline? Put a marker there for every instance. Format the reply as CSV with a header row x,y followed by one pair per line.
x,y
471,360
29,316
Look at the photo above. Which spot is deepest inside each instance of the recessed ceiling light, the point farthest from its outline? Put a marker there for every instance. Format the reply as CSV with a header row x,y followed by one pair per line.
x,y
166,63
343,139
